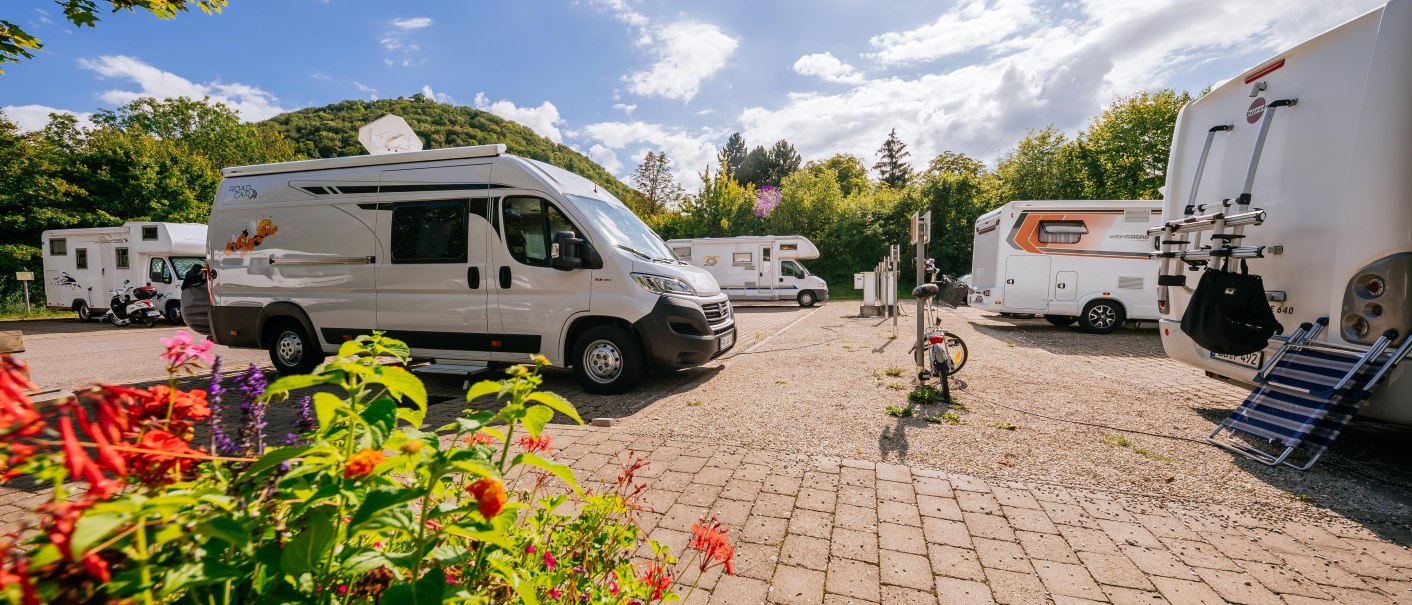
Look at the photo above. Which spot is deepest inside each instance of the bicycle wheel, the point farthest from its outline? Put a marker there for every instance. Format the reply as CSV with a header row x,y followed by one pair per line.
x,y
957,349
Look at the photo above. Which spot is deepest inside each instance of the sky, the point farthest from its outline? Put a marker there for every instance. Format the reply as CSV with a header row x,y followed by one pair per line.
x,y
615,79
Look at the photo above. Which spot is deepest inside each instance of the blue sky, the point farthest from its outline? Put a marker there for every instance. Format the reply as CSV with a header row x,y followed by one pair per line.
x,y
618,78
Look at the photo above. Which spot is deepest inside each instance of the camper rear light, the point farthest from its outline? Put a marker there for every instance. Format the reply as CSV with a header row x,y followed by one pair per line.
x,y
986,293
1359,327
1161,306
1376,286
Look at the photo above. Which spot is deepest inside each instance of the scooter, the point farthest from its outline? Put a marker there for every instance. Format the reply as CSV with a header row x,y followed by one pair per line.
x,y
131,304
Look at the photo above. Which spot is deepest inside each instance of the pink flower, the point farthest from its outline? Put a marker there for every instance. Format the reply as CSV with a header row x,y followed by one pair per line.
x,y
549,560
450,579
182,351
554,593
529,549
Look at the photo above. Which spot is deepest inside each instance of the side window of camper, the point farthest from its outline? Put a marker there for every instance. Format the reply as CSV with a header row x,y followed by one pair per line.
x,y
149,233
429,232
683,252
81,258
58,247
742,259
120,258
530,224
791,269
157,271
1061,232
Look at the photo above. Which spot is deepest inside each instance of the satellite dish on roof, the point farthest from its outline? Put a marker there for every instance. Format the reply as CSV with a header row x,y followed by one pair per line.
x,y
389,134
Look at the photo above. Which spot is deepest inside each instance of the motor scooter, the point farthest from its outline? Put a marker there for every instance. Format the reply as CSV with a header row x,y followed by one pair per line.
x,y
131,304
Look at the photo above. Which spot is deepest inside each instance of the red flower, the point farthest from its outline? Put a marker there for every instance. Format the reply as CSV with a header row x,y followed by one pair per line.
x,y
710,539
482,439
490,496
184,405
657,579
535,445
156,465
362,463
18,418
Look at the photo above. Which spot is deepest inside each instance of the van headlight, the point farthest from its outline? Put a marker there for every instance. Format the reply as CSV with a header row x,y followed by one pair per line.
x,y
661,284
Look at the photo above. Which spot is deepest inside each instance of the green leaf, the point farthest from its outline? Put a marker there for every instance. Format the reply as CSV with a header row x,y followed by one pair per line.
x,y
379,501
277,456
431,588
327,407
482,388
535,418
350,348
558,470
92,528
489,536
404,385
381,416
225,528
559,404
304,552
363,561
285,384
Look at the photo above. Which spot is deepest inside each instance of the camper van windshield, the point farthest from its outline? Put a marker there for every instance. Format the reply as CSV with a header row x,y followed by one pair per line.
x,y
623,228
182,264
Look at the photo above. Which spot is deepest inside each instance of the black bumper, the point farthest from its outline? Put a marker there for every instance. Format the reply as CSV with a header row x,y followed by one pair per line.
x,y
676,335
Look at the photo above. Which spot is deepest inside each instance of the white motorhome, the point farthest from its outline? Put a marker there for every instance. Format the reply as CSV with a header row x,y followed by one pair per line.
x,y
1306,159
757,267
468,254
82,265
1071,260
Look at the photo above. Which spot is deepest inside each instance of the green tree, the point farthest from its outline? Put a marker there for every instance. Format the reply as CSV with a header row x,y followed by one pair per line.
x,y
956,190
951,162
732,154
852,175
722,208
782,160
809,203
16,44
653,179
892,168
1042,166
1124,151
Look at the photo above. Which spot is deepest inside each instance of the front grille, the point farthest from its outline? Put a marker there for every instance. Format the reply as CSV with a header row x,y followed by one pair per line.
x,y
717,313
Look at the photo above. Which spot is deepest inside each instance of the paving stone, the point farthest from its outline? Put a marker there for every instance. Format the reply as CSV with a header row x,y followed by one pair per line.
x,y
1068,579
764,530
1362,597
819,480
737,489
897,595
1166,527
838,599
815,499
905,569
901,513
1047,547
1200,554
1109,510
1391,554
713,476
937,506
1091,540
974,502
969,483
852,544
1360,563
805,551
732,590
856,517
887,471
1242,547
752,472
1323,572
1127,596
904,538
1399,590
686,464
943,531
682,516
1068,514
797,586
698,494
933,486
1017,498
1155,562
1115,570
1012,588
826,464
1063,600
857,496
954,591
780,484
811,523
1133,534
998,554
994,527
1283,580
1238,587
1053,494
773,505
857,476
1276,541
858,463
671,480
955,562
733,513
895,491
853,578
756,560
1028,519
1187,592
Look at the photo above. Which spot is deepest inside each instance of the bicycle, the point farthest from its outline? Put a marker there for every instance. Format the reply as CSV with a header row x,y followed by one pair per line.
x,y
940,353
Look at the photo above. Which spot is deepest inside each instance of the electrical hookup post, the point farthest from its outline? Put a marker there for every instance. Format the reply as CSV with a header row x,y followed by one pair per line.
x,y
24,277
921,236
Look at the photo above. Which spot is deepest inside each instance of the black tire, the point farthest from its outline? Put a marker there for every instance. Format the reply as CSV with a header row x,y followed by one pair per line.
x,y
292,351
85,314
149,321
959,353
1102,316
173,313
607,360
807,298
1061,320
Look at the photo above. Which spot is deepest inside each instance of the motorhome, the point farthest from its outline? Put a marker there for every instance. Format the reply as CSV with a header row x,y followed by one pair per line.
x,y
1299,166
82,265
763,267
469,255
1074,261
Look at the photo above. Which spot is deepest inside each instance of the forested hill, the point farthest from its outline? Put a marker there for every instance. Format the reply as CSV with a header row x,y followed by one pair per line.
x,y
332,131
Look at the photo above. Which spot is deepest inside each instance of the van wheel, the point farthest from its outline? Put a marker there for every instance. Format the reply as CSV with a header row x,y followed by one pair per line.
x,y
807,298
85,314
174,313
1102,317
292,351
607,360
1061,320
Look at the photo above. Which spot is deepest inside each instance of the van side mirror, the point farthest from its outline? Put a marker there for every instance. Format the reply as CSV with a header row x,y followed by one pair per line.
x,y
566,251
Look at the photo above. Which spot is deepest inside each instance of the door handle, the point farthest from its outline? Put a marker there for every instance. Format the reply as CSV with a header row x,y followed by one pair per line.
x,y
781,280
1010,282
1059,285
473,277
504,278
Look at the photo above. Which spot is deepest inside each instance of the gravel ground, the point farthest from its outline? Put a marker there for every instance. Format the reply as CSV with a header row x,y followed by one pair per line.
x,y
819,388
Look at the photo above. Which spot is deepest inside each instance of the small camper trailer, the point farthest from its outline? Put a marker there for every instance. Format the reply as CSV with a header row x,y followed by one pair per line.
x,y
82,265
1070,260
757,267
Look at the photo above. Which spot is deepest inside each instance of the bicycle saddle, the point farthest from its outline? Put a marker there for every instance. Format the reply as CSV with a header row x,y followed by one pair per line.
x,y
925,291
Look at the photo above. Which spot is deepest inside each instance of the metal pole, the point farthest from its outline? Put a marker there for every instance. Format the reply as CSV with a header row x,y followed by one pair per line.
x,y
921,268
27,310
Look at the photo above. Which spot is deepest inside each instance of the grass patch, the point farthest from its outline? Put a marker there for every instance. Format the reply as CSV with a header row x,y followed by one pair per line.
x,y
1146,453
944,418
1123,442
999,424
781,382
39,312
925,394
1117,440
894,372
897,386
897,411
694,403
956,404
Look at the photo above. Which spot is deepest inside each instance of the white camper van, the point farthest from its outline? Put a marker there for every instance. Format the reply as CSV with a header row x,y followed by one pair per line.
x,y
82,265
1305,158
1070,260
467,254
757,267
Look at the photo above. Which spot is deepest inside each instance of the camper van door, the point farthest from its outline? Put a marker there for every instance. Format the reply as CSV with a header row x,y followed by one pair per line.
x,y
532,297
767,272
1027,282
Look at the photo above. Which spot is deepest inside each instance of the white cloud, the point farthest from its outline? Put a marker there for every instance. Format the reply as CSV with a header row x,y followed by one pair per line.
x,y
35,117
827,67
412,23
626,108
544,119
971,25
606,158
439,97
43,17
368,90
687,52
690,153
253,103
624,12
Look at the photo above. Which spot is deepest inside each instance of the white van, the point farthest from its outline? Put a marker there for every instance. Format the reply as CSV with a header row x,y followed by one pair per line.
x,y
467,254
82,265
1079,261
1323,214
757,267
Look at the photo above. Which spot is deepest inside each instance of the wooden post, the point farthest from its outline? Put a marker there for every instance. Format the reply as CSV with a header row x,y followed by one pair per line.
x,y
11,341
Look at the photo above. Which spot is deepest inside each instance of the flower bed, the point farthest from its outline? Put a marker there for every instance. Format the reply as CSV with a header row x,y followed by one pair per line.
x,y
360,504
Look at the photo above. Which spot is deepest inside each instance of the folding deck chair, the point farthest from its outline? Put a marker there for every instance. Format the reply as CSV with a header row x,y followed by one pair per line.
x,y
1307,393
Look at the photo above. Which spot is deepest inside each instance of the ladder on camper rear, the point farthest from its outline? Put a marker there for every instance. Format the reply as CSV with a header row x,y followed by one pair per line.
x,y
1305,395
1178,242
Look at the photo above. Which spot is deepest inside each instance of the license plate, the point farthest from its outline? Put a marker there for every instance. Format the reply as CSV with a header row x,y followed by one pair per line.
x,y
727,340
1252,360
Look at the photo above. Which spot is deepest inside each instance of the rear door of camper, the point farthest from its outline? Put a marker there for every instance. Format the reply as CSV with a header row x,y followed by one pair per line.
x,y
432,290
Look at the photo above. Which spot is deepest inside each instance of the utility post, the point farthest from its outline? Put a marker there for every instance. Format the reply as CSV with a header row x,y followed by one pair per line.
x,y
25,277
921,234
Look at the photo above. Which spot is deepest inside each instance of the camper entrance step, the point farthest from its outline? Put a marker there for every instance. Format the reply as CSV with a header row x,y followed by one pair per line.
x,y
1306,394
455,369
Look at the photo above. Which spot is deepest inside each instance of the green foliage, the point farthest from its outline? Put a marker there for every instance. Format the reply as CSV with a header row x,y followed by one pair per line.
x,y
1124,152
925,394
653,179
15,44
732,154
944,418
761,167
999,424
898,411
893,169
893,372
1124,442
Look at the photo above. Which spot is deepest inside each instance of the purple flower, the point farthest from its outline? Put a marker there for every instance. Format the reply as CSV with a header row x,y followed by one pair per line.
x,y
304,423
221,443
766,199
251,384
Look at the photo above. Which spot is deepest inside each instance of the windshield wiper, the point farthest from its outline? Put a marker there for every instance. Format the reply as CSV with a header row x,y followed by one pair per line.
x,y
644,255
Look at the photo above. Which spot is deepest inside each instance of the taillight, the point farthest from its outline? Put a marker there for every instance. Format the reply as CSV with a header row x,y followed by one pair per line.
x,y
936,340
1359,326
1161,306
1376,287
986,293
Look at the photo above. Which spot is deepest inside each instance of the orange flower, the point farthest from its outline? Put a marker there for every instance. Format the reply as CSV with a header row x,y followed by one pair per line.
x,y
656,577
362,463
535,445
184,404
482,439
490,496
710,539
540,360
155,468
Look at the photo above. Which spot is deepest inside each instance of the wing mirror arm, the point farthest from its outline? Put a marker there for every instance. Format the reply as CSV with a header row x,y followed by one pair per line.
x,y
567,251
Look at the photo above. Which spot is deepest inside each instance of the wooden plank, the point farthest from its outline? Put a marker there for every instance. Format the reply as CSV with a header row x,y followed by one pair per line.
x,y
11,341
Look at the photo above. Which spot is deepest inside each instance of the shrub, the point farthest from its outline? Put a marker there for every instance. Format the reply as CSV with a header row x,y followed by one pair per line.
x,y
362,505
925,394
898,411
